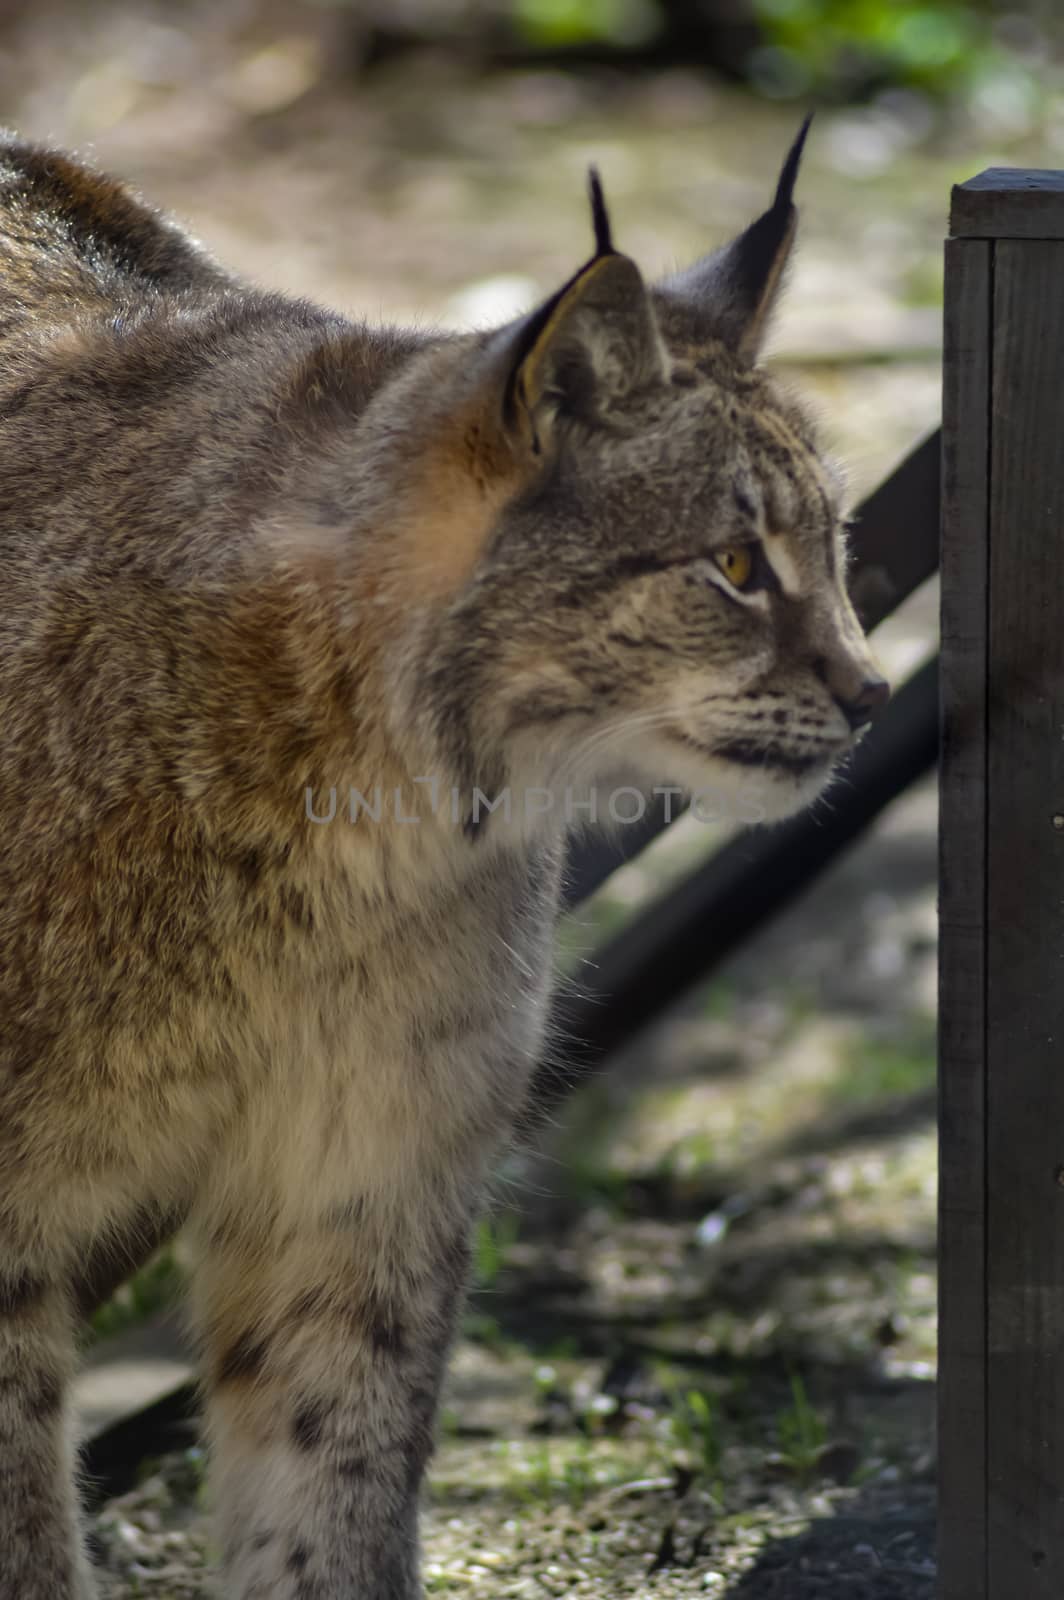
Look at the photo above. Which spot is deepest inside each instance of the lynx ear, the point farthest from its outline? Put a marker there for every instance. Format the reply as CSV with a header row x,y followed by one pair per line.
x,y
586,347
729,295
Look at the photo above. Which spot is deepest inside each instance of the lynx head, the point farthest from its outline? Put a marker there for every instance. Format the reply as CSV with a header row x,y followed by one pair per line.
x,y
659,580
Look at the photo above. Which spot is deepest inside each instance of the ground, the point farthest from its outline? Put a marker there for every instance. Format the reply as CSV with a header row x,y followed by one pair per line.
x,y
700,1354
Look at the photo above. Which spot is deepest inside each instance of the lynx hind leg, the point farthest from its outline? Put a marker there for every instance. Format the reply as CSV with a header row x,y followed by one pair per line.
x,y
326,1346
40,1546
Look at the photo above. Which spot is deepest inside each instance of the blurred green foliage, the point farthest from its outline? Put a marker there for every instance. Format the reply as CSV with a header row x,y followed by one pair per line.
x,y
802,1432
840,45
492,1239
556,24
156,1287
837,49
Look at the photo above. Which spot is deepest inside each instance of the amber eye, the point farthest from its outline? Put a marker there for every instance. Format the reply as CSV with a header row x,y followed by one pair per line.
x,y
736,562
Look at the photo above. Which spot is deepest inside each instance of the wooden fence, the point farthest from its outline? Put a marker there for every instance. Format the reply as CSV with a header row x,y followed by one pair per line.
x,y
1001,1043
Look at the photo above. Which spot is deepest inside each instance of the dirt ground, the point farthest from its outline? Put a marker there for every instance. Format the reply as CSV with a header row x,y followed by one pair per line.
x,y
700,1355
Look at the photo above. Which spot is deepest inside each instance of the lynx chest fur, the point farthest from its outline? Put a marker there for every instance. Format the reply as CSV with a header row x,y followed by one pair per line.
x,y
295,617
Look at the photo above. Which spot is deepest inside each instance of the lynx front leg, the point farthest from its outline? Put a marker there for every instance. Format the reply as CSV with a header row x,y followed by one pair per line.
x,y
326,1347
40,1553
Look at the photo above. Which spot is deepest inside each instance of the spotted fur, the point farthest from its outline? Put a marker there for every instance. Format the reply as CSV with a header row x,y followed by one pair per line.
x,y
255,561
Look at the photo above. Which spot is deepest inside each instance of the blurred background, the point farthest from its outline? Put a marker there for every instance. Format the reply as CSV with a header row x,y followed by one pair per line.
x,y
427,157
700,1353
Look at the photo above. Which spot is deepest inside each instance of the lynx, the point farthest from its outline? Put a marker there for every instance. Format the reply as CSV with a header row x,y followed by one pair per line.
x,y
255,557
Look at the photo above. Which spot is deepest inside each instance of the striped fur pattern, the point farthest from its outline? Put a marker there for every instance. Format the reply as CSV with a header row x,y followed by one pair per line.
x,y
255,557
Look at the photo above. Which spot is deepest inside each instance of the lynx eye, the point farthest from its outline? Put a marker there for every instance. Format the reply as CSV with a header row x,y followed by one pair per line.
x,y
738,562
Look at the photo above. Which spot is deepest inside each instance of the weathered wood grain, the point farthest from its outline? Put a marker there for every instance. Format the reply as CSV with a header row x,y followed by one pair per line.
x,y
1009,203
1025,927
962,908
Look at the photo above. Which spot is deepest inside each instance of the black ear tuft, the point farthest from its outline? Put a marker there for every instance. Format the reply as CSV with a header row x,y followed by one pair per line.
x,y
600,217
785,188
729,295
585,348
761,251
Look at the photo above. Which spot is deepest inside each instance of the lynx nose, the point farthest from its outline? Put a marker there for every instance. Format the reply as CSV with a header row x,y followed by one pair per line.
x,y
856,687
869,700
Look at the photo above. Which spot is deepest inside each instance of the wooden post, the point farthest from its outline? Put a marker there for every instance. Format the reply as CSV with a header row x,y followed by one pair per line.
x,y
1001,1407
